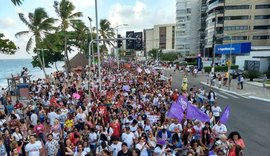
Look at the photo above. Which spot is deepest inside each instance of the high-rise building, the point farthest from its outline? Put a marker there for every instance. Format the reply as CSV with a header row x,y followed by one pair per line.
x,y
160,37
241,21
188,24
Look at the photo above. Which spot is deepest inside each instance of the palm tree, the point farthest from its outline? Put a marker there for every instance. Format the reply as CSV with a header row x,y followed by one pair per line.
x,y
65,11
17,2
39,24
106,32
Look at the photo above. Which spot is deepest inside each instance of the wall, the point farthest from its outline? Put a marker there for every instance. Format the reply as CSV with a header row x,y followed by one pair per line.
x,y
264,62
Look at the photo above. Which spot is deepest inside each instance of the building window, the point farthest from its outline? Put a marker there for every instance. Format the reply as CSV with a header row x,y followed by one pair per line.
x,y
263,6
262,17
188,11
261,27
180,12
231,28
236,38
236,17
236,7
263,37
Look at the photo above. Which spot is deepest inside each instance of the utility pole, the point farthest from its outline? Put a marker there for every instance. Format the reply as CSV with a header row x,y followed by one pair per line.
x,y
214,43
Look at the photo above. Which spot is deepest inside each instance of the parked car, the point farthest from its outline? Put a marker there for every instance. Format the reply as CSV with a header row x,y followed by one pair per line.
x,y
236,72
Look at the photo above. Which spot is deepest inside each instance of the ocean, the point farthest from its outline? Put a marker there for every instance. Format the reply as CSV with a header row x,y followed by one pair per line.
x,y
14,66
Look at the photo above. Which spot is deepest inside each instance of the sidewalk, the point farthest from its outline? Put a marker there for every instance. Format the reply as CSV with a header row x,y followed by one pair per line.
x,y
250,89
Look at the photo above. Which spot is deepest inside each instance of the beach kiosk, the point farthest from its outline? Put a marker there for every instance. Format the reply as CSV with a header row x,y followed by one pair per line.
x,y
19,86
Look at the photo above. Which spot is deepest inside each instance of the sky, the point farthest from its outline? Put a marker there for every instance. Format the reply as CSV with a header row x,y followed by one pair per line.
x,y
138,14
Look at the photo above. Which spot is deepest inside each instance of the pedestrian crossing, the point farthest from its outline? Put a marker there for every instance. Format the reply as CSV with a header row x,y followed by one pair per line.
x,y
226,95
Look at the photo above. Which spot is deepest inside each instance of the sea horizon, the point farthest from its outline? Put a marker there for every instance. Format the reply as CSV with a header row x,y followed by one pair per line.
x,y
14,67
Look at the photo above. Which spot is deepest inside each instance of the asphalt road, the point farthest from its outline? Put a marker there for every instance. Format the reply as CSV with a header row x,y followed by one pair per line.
x,y
248,116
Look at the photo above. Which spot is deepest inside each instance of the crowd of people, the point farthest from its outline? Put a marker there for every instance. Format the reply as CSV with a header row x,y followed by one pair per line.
x,y
126,116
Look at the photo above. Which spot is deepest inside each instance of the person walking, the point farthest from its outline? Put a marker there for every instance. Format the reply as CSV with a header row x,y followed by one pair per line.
x,y
241,82
264,81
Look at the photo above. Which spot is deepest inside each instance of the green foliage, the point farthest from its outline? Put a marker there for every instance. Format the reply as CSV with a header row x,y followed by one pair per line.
x,y
106,32
38,24
220,68
267,74
171,56
17,2
192,63
153,53
7,46
49,59
253,74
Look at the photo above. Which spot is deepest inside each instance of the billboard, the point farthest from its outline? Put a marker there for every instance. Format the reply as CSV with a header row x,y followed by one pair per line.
x,y
235,48
130,43
138,43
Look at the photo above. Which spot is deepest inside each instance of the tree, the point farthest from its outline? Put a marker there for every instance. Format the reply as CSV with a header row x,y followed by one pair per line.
x,y
153,53
170,56
54,44
65,11
106,32
39,24
17,2
7,46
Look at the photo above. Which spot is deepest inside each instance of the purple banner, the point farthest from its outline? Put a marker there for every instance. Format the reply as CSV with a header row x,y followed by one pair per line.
x,y
176,111
225,115
183,102
195,113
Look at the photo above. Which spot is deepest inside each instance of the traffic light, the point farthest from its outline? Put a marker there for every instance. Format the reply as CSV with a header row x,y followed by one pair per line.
x,y
138,42
130,43
119,42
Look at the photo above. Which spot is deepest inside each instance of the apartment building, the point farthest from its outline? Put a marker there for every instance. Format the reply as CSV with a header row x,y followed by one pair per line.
x,y
160,37
239,21
188,24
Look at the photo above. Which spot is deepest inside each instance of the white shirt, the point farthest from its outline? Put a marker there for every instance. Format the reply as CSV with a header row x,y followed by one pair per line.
x,y
52,116
174,126
143,150
34,119
115,148
33,149
92,137
17,136
216,111
220,129
128,138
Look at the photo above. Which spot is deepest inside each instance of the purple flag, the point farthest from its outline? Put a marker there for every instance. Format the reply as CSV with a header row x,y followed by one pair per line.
x,y
225,115
182,101
176,111
195,113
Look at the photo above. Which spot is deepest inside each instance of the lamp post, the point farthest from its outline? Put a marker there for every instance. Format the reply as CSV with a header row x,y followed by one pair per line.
x,y
98,52
230,64
89,59
117,50
91,38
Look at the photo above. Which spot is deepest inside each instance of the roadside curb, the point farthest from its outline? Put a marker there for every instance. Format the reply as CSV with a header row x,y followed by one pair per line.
x,y
224,90
258,98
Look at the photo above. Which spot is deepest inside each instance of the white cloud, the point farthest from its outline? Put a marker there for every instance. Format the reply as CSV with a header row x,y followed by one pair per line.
x,y
7,22
139,16
83,4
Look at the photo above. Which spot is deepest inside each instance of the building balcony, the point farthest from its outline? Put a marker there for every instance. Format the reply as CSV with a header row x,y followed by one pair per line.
x,y
215,5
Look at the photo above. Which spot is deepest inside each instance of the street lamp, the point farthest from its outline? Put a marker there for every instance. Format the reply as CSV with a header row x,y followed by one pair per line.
x,y
117,50
98,52
89,59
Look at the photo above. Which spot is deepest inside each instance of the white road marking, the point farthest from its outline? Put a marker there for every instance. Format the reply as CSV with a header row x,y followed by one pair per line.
x,y
220,95
231,95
